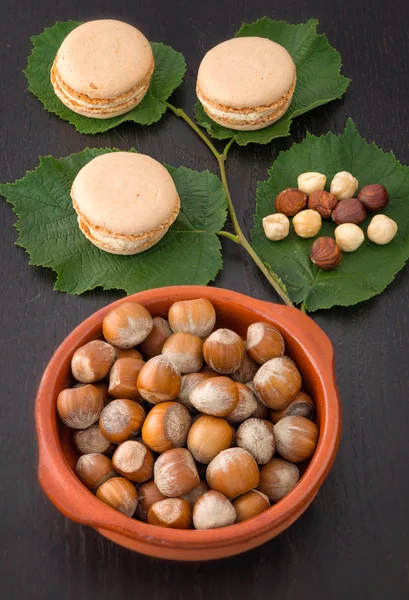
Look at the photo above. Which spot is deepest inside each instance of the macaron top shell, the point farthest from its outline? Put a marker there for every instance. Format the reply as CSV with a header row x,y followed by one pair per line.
x,y
125,193
246,72
104,59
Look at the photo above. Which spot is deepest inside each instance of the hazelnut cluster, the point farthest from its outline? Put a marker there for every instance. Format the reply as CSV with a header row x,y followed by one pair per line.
x,y
208,431
310,203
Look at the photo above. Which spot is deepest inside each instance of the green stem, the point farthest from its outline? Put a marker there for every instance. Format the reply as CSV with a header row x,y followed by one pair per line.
x,y
239,238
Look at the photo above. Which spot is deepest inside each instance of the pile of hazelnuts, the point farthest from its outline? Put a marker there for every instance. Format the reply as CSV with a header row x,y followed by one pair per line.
x,y
309,203
206,433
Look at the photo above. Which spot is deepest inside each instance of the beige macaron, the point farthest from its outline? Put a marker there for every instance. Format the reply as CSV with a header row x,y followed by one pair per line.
x,y
103,69
125,202
246,83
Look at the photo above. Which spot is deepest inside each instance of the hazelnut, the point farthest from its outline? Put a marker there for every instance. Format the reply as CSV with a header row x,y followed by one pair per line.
x,y
175,472
128,353
195,494
121,420
264,342
166,426
171,512
322,202
93,469
250,504
148,494
277,382
185,351
311,182
91,441
276,227
209,372
217,396
159,380
247,370
153,344
246,406
277,478
296,438
213,510
348,237
344,185
301,406
120,494
256,436
189,382
122,378
134,461
207,437
192,316
350,210
381,230
325,253
374,197
223,351
233,472
80,407
127,325
93,361
307,223
290,201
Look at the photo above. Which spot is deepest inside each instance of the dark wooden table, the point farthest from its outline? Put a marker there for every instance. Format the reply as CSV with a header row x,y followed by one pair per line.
x,y
353,541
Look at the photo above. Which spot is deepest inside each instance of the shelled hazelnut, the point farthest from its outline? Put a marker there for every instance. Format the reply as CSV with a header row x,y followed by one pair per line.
x,y
207,437
93,361
233,472
80,407
159,380
264,342
290,201
256,436
381,230
325,253
93,469
175,472
276,227
246,405
250,504
301,406
277,478
134,461
374,197
153,344
311,182
166,426
91,440
350,210
192,316
127,325
213,510
121,420
322,202
343,185
277,382
307,223
185,352
296,438
148,494
171,512
123,377
223,351
217,396
120,494
348,237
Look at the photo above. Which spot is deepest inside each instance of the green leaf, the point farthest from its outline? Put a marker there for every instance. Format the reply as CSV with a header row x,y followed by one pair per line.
x,y
318,77
169,71
367,271
47,224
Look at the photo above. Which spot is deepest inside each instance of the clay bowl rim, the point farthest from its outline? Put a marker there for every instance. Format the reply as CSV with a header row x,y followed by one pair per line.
x,y
76,502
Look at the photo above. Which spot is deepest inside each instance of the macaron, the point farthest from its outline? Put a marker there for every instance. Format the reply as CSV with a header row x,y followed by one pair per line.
x,y
246,83
103,69
125,202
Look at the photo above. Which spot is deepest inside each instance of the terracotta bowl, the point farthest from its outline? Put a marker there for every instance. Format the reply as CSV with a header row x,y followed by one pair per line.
x,y
306,343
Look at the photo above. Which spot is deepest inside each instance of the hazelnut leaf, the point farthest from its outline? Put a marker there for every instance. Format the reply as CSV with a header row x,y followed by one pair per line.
x,y
318,77
367,271
190,253
169,72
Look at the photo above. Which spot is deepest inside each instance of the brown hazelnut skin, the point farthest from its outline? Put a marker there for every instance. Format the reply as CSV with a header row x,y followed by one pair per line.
x,y
92,361
207,437
80,407
153,344
120,494
350,210
123,377
185,351
93,469
175,473
223,351
250,504
296,438
301,406
121,420
174,513
290,201
148,494
374,197
264,342
159,380
277,382
233,472
192,316
325,253
127,325
277,478
323,202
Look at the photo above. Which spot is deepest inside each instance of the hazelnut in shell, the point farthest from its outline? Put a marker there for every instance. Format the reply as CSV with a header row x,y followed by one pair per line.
x,y
195,494
349,237
246,406
301,406
381,230
233,472
174,513
123,377
121,420
128,353
223,351
93,469
92,361
276,227
247,370
166,426
153,344
296,438
256,436
217,396
120,494
91,440
185,351
343,185
250,504
374,197
159,380
264,342
277,478
290,201
322,202
307,223
80,407
350,210
175,472
197,317
277,382
189,382
325,253
213,510
127,325
311,182
207,437
134,461
148,494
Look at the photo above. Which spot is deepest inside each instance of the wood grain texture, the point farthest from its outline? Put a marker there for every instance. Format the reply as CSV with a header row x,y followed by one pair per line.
x,y
353,541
